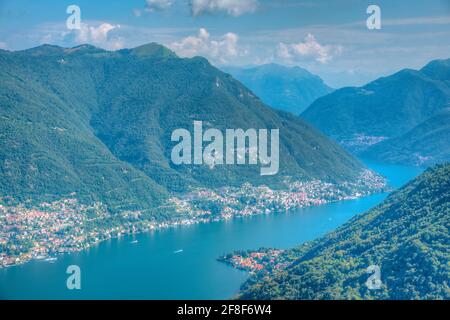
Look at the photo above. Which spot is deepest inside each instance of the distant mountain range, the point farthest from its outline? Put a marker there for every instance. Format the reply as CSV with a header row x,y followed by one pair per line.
x,y
290,89
99,124
391,109
406,237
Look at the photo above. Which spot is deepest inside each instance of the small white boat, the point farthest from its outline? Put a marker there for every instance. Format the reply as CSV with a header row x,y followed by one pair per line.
x,y
134,242
51,259
178,251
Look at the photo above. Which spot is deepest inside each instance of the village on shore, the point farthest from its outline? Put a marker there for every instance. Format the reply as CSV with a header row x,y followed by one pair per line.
x,y
41,232
254,261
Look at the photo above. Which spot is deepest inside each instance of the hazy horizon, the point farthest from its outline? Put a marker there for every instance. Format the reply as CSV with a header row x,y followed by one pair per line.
x,y
328,39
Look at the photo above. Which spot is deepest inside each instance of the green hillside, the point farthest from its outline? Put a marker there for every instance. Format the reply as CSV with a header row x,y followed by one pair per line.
x,y
427,143
386,108
48,148
407,236
98,123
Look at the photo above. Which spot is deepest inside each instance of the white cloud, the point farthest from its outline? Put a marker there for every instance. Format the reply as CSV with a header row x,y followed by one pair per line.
x,y
220,49
309,48
232,7
157,5
99,36
3,45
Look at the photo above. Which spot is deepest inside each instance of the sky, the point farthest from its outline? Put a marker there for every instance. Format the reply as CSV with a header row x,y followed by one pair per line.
x,y
329,38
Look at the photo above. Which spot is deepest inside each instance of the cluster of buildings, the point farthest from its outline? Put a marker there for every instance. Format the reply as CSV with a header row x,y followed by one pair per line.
x,y
254,261
40,232
229,202
360,141
50,228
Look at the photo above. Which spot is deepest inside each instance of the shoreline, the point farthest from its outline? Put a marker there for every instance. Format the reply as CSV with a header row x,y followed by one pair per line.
x,y
173,226
86,239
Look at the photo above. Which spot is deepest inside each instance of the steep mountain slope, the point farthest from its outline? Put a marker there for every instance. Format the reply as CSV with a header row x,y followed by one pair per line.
x,y
407,236
427,143
99,123
385,108
290,89
48,149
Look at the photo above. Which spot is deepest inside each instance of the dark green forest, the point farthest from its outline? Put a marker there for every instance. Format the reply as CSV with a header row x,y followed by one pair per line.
x,y
98,123
407,236
424,144
404,111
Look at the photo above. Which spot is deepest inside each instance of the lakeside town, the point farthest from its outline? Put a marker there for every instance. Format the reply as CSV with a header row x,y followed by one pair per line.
x,y
226,203
41,232
360,142
254,261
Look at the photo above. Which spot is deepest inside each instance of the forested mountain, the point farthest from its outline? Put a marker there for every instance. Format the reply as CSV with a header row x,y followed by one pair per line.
x,y
290,89
425,144
407,236
99,123
48,146
383,109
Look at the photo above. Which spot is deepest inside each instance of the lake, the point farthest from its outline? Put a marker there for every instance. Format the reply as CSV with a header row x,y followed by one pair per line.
x,y
156,268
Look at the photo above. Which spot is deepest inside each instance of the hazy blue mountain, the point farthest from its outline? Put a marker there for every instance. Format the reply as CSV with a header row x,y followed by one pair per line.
x,y
428,143
290,89
99,123
386,108
407,236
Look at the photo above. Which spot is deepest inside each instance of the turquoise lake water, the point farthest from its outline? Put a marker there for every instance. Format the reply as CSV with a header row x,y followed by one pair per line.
x,y
150,268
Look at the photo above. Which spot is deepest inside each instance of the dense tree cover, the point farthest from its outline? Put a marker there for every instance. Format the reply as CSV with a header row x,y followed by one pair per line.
x,y
388,108
407,236
48,148
99,123
427,143
290,89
